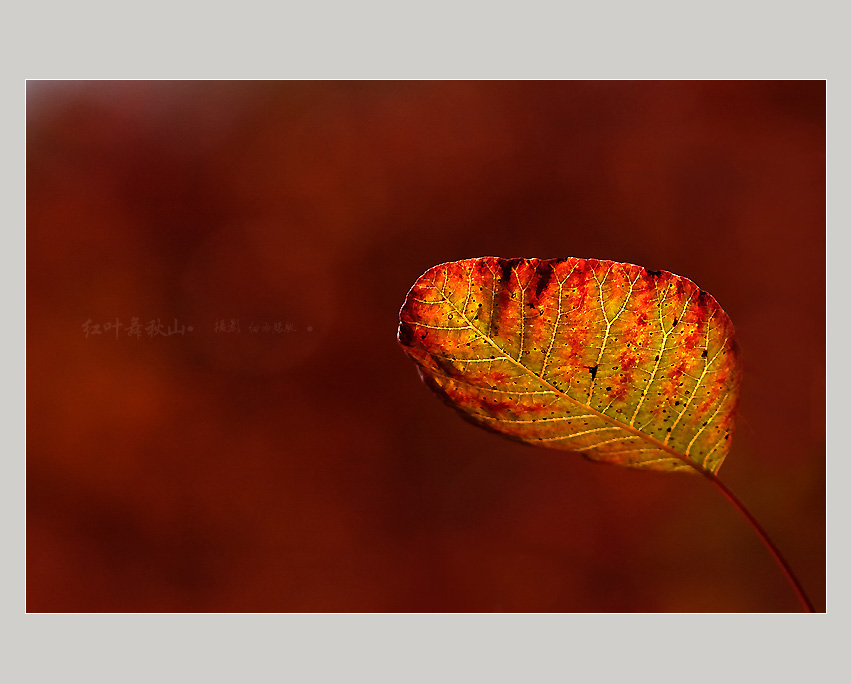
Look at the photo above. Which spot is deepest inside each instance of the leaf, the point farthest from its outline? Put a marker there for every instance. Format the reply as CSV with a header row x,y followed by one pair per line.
x,y
620,364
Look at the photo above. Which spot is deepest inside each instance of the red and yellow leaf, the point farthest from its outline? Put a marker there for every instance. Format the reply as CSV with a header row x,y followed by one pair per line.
x,y
620,364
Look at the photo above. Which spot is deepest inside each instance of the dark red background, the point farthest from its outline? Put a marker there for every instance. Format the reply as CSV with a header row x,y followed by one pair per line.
x,y
311,470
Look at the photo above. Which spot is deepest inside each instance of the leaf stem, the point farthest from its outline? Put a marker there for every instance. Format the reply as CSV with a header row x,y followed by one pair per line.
x,y
733,499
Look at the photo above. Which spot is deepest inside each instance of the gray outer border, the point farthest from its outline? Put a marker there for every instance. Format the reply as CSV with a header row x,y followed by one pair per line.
x,y
666,40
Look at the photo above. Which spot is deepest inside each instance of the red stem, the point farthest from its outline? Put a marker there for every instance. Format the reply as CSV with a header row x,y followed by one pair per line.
x,y
802,595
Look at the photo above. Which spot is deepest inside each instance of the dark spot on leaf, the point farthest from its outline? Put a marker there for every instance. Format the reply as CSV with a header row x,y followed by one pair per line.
x,y
703,354
506,265
675,320
545,272
653,273
406,334
593,371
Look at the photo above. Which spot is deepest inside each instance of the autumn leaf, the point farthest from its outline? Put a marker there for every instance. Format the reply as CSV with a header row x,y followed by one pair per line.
x,y
612,361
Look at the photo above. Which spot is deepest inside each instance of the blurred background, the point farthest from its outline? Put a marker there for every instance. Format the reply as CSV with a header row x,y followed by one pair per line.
x,y
219,417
